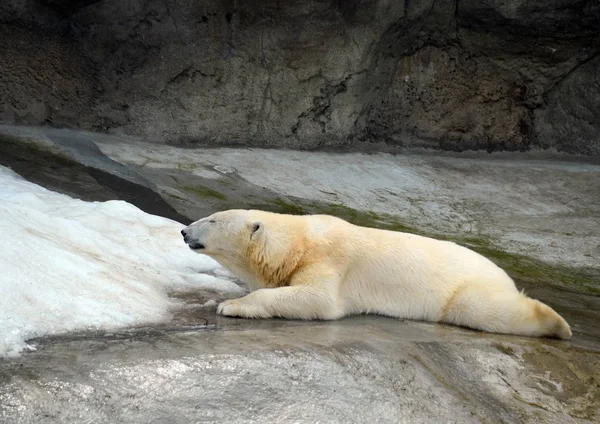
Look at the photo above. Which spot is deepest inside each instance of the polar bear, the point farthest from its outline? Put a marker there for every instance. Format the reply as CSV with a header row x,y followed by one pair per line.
x,y
322,267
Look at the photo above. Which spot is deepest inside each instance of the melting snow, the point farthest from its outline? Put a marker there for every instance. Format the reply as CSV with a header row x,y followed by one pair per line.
x,y
66,264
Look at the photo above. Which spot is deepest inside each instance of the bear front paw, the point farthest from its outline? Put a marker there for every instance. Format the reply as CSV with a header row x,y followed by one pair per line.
x,y
236,308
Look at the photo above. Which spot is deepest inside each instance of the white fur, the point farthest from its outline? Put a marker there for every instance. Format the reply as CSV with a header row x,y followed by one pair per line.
x,y
346,269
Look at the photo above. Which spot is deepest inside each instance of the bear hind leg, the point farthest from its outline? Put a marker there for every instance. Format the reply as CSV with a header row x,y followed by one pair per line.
x,y
501,311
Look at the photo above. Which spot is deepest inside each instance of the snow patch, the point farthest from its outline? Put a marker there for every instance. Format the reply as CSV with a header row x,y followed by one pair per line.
x,y
66,265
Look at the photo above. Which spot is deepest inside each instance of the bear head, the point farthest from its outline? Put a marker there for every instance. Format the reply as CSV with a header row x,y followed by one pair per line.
x,y
223,233
259,243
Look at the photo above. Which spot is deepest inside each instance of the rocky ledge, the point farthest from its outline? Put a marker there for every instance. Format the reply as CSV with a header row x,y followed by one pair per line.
x,y
536,216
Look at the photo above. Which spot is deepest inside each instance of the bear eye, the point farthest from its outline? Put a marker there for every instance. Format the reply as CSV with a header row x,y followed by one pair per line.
x,y
212,221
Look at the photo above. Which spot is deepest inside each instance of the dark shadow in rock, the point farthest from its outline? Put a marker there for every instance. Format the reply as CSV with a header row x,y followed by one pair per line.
x,y
72,165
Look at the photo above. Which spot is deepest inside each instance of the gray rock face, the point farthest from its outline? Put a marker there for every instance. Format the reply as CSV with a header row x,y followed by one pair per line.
x,y
495,75
571,116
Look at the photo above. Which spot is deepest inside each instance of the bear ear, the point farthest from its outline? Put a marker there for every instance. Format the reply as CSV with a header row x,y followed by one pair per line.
x,y
256,228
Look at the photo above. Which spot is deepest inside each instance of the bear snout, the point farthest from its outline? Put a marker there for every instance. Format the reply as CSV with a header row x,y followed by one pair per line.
x,y
193,244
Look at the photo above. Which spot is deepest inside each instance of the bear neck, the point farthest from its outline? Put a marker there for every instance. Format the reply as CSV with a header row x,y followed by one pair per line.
x,y
275,267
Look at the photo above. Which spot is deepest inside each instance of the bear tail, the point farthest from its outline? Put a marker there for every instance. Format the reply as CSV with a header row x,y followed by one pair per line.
x,y
549,321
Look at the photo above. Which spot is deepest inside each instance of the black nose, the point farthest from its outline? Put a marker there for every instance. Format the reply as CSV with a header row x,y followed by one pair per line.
x,y
183,233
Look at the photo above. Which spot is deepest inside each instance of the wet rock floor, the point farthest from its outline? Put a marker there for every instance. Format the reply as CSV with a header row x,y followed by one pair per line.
x,y
537,216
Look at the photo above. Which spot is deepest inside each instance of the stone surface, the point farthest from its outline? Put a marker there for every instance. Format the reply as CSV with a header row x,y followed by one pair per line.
x,y
357,370
198,367
498,75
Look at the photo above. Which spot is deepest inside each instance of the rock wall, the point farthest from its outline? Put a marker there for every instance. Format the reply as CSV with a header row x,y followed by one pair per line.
x,y
460,74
